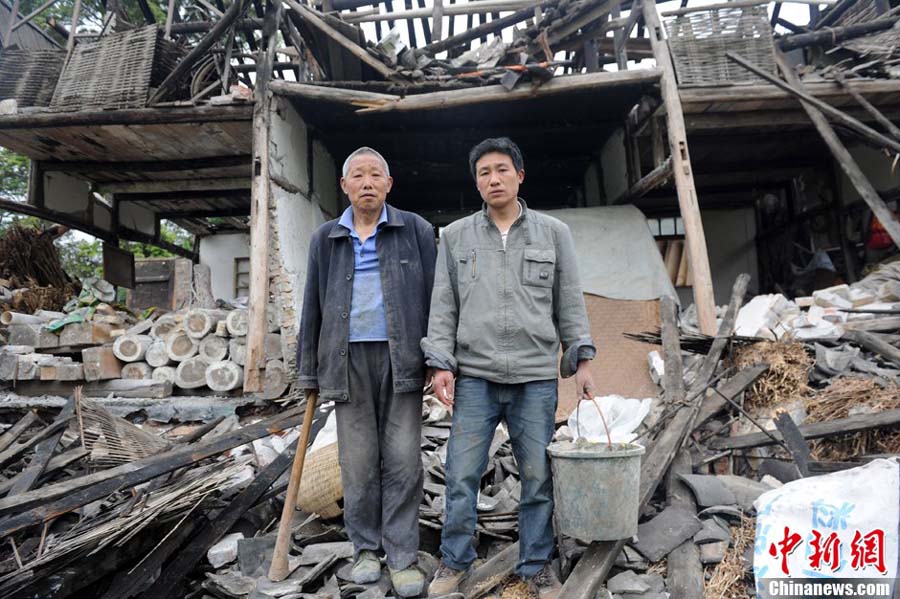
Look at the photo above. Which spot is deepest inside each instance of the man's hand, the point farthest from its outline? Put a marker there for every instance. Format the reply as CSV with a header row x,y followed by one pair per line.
x,y
444,387
584,380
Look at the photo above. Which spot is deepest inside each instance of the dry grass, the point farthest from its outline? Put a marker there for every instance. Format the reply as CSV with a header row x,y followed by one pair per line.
x,y
787,377
516,588
730,579
836,401
661,567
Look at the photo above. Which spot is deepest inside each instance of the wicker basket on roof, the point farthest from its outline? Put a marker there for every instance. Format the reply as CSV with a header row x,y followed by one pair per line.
x,y
699,40
117,71
321,487
29,76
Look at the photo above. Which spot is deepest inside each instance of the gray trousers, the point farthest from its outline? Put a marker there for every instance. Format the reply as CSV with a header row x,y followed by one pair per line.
x,y
379,440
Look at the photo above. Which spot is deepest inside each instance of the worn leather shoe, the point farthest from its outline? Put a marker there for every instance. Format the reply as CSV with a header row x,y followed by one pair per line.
x,y
446,580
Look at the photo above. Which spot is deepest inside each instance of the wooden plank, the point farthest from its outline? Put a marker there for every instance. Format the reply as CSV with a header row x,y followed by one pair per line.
x,y
496,93
57,462
874,343
834,35
170,581
314,20
851,424
684,575
51,501
28,478
656,178
731,388
795,442
13,432
17,449
684,178
882,120
487,576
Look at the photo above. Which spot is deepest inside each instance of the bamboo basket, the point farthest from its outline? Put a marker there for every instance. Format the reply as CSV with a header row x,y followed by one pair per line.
x,y
321,487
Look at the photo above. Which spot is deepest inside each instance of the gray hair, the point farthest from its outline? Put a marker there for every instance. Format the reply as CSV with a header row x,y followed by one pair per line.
x,y
361,151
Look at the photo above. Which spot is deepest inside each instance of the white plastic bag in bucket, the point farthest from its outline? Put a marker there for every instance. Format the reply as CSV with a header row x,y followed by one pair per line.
x,y
839,529
623,416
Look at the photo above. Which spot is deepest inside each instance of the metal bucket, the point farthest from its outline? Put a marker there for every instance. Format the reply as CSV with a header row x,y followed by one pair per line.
x,y
596,489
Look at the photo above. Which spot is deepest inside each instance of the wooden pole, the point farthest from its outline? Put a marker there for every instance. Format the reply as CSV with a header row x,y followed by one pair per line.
x,y
684,176
314,20
843,157
170,16
34,13
797,90
259,211
231,15
278,571
70,44
885,122
9,24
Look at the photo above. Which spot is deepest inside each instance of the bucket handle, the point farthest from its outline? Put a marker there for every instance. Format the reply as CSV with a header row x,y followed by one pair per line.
x,y
602,419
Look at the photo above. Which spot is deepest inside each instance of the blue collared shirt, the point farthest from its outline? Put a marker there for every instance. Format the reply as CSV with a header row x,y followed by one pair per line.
x,y
367,319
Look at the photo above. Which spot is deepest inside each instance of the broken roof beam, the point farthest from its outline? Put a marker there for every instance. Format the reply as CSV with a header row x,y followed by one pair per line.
x,y
469,8
234,12
483,29
379,103
843,157
317,21
833,35
248,24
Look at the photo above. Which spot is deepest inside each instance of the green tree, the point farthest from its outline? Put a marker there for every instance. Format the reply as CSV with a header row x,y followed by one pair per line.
x,y
81,254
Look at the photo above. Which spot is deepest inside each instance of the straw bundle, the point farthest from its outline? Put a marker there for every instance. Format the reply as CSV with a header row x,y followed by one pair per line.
x,y
788,374
732,578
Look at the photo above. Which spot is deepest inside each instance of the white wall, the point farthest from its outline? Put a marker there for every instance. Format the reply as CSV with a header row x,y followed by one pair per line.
x,y
297,209
219,252
614,166
877,168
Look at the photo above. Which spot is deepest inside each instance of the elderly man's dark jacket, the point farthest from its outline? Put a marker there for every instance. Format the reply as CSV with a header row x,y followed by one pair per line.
x,y
406,258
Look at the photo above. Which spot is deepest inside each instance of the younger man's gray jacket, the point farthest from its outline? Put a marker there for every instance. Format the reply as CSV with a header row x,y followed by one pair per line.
x,y
500,314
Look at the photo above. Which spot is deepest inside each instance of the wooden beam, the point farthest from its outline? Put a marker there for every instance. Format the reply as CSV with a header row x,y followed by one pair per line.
x,y
797,90
834,35
879,117
34,13
840,426
481,7
170,581
684,574
685,187
247,24
174,185
496,93
476,32
28,478
70,43
876,344
317,22
136,116
148,166
55,499
259,213
656,178
234,12
843,157
170,17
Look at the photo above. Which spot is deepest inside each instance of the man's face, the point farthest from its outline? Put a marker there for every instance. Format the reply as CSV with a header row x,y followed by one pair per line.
x,y
366,183
497,179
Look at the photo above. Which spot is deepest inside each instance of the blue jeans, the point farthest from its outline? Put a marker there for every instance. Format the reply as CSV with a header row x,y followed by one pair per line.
x,y
528,410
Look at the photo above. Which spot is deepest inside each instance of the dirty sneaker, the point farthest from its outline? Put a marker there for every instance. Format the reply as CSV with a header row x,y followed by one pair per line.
x,y
446,581
366,568
408,582
545,584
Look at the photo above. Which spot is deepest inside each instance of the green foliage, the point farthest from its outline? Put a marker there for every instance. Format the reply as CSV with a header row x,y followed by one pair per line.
x,y
168,232
13,175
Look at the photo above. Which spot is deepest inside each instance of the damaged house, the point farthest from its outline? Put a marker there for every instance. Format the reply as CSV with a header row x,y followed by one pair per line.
x,y
702,153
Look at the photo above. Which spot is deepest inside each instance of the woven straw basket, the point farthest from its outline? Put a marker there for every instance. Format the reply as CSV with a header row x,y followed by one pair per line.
x,y
321,487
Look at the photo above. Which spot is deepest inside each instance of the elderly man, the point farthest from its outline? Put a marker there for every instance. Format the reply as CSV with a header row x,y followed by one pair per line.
x,y
365,309
506,293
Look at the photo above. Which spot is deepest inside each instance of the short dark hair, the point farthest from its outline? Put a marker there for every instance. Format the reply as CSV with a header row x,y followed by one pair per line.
x,y
502,145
